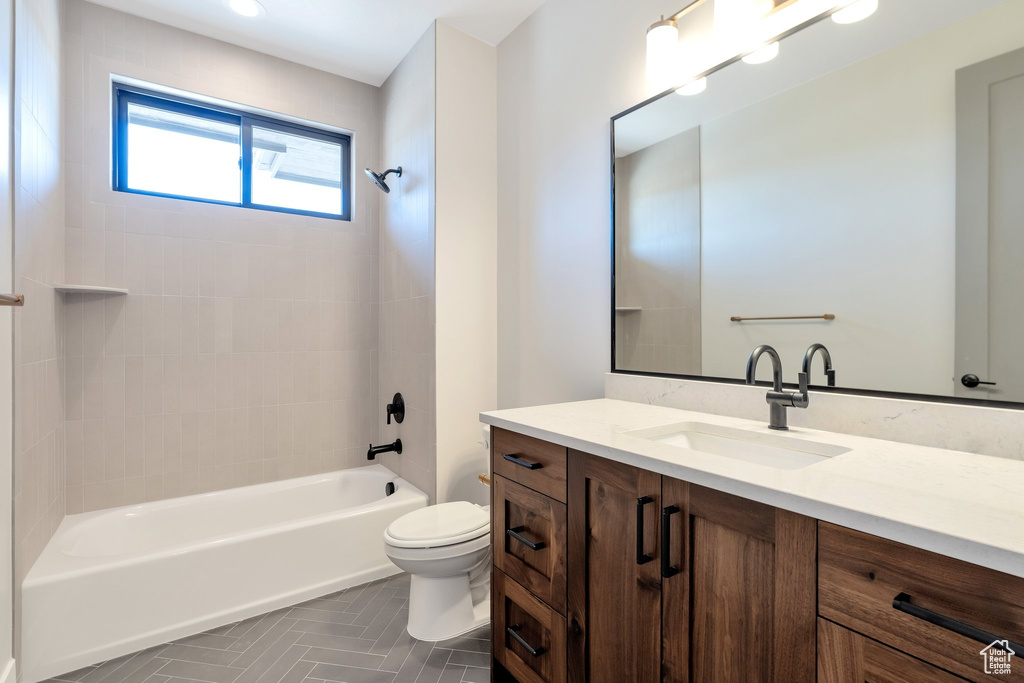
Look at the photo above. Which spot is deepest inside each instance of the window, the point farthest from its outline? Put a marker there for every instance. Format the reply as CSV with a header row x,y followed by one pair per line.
x,y
171,147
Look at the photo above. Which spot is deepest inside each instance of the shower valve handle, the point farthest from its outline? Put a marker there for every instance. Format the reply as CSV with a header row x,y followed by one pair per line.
x,y
396,408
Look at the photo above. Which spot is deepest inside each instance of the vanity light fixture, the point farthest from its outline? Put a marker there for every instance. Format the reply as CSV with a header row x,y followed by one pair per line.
x,y
862,9
737,25
247,8
693,87
764,54
662,48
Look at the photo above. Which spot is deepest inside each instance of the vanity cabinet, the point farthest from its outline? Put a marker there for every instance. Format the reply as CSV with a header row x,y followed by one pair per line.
x,y
608,573
719,589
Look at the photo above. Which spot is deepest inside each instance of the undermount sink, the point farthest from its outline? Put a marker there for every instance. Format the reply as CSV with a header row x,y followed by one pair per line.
x,y
781,452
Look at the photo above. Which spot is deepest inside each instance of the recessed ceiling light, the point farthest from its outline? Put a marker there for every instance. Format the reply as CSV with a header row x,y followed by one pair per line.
x,y
247,8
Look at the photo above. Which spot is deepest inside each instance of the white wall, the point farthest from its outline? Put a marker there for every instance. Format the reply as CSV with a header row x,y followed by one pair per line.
x,y
407,264
562,74
465,258
838,196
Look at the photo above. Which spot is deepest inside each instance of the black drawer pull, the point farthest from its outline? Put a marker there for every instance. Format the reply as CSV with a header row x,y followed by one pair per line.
x,y
903,604
515,533
513,458
667,570
641,556
536,652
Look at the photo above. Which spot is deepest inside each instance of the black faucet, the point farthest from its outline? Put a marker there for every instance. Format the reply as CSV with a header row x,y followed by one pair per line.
x,y
396,408
386,448
778,400
805,374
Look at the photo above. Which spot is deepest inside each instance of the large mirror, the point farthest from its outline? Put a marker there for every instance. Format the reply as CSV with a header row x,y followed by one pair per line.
x,y
867,183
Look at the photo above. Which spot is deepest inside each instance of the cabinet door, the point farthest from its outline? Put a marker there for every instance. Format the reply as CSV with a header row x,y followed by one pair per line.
x,y
614,580
741,608
845,656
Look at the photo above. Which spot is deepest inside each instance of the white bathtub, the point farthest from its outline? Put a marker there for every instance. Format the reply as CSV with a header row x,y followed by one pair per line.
x,y
115,581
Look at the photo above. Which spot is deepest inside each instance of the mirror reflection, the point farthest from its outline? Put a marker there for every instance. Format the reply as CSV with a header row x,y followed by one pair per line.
x,y
863,190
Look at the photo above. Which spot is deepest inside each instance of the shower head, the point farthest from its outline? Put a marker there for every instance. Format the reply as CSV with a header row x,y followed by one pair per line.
x,y
379,178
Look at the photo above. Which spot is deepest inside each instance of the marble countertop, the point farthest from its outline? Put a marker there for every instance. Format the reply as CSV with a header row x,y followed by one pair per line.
x,y
963,505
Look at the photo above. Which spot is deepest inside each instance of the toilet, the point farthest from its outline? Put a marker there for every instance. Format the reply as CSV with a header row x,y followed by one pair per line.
x,y
446,549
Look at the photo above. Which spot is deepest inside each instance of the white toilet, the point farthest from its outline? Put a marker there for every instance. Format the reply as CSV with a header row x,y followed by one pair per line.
x,y
447,550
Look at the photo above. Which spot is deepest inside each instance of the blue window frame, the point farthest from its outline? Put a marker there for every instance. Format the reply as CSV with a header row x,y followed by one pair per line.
x,y
167,146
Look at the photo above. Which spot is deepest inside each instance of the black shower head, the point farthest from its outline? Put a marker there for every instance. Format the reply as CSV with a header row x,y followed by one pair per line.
x,y
379,178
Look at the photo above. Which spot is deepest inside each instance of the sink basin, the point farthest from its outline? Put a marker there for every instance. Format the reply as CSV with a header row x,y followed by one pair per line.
x,y
781,452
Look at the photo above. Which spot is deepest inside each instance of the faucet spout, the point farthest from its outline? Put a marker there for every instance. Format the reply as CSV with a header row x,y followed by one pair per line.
x,y
826,357
374,451
778,400
755,356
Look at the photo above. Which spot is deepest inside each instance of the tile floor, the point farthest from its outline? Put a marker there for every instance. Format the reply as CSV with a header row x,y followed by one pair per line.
x,y
355,636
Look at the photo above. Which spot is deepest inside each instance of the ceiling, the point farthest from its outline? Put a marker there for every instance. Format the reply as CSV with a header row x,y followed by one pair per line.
x,y
360,39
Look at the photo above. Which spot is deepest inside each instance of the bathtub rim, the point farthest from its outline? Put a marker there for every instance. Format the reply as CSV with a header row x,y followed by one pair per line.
x,y
54,564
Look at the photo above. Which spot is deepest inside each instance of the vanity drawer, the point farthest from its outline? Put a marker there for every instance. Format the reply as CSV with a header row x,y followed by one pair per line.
x,y
861,578
845,656
528,637
536,464
529,540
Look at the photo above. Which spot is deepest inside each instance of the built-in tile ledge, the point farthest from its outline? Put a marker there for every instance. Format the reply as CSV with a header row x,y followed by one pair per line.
x,y
88,289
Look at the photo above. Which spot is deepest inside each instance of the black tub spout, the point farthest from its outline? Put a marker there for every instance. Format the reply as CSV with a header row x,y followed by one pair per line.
x,y
374,451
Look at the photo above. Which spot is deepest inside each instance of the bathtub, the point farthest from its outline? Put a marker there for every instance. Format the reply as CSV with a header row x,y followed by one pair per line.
x,y
115,581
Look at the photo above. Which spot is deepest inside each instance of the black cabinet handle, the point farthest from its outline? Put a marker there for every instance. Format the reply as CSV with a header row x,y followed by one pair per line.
x,y
902,603
667,570
514,533
536,652
971,381
641,556
513,458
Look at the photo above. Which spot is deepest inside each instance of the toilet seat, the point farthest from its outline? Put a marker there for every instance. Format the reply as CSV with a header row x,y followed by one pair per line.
x,y
438,526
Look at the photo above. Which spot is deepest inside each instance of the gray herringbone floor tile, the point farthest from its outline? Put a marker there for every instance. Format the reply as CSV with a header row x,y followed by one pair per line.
x,y
356,635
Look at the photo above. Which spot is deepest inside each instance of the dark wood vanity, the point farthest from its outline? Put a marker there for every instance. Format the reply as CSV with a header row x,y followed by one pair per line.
x,y
608,573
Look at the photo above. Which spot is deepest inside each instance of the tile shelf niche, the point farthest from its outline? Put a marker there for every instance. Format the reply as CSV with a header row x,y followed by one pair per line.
x,y
88,289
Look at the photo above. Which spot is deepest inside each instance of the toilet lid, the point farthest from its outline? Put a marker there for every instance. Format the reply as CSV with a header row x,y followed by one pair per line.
x,y
440,525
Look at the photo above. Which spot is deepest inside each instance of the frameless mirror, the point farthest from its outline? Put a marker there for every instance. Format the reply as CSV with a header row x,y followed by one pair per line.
x,y
864,190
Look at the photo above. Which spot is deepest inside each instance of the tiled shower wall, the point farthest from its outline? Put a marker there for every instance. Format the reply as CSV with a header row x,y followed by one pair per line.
x,y
38,248
247,348
407,314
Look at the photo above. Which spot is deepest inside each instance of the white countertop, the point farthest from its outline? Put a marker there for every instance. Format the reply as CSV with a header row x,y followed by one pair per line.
x,y
966,506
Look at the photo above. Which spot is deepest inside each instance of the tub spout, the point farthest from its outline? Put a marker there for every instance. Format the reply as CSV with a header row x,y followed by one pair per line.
x,y
386,448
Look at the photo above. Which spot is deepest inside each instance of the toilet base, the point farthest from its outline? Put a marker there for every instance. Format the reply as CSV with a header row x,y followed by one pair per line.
x,y
443,608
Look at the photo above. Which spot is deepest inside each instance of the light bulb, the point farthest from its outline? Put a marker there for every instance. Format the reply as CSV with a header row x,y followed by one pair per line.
x,y
693,88
662,49
765,54
862,9
247,8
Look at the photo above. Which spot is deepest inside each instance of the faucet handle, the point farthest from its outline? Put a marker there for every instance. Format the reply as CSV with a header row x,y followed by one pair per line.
x,y
396,408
